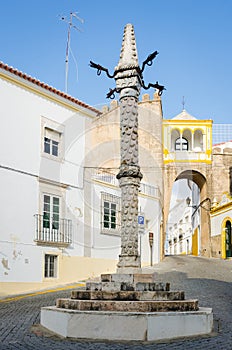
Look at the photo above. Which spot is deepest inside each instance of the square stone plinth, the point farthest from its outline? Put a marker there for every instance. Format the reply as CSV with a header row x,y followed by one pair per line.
x,y
127,282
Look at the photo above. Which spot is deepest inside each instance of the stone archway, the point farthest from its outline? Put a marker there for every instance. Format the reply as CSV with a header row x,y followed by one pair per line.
x,y
173,173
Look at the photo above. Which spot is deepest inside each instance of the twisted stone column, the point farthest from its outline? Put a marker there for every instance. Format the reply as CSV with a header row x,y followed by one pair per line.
x,y
129,179
127,76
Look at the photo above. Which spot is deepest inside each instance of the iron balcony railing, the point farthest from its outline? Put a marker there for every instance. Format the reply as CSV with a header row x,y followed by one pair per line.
x,y
53,232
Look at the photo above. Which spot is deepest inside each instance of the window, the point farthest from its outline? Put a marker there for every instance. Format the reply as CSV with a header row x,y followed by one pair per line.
x,y
181,144
51,142
110,213
51,229
51,212
50,266
51,146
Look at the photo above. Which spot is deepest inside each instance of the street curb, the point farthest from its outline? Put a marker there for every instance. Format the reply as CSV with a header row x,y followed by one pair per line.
x,y
26,295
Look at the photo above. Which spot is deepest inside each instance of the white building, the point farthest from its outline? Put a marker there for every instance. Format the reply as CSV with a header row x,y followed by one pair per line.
x,y
179,229
43,145
183,228
60,214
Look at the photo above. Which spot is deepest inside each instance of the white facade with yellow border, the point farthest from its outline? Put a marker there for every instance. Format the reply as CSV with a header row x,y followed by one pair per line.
x,y
221,223
187,139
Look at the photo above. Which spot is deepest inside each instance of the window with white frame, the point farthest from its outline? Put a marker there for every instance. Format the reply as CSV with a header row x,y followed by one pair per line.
x,y
51,227
51,143
50,266
110,213
51,212
181,144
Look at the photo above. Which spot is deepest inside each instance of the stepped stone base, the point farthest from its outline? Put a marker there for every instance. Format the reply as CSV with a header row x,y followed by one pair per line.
x,y
127,307
128,295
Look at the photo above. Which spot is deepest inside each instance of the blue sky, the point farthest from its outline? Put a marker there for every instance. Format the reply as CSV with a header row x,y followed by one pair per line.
x,y
193,38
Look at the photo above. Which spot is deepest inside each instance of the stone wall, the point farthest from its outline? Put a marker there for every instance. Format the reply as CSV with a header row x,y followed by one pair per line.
x,y
216,246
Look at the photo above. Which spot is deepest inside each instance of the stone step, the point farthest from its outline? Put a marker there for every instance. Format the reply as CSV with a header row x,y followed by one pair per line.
x,y
116,286
127,295
127,306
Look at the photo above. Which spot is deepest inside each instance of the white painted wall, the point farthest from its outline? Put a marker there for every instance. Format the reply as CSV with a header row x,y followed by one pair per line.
x,y
106,245
22,165
110,245
217,220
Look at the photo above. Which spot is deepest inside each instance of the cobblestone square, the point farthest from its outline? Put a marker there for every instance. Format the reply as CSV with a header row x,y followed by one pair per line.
x,y
209,280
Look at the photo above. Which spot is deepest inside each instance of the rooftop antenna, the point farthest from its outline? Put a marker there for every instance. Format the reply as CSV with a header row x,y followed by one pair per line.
x,y
70,25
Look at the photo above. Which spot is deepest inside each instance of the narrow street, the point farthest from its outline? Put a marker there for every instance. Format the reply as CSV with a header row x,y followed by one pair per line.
x,y
209,280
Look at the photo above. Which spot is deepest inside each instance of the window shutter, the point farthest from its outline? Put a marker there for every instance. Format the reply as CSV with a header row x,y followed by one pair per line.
x,y
52,134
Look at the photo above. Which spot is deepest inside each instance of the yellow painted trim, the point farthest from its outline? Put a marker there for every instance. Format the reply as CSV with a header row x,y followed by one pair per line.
x,y
207,161
165,152
202,129
164,139
23,296
186,129
206,122
48,95
221,209
175,128
195,242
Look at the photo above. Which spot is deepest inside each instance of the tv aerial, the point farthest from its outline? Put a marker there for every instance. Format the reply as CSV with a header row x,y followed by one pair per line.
x,y
68,48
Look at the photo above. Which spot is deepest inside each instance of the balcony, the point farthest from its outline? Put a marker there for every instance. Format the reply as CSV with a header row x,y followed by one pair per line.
x,y
53,233
188,156
150,190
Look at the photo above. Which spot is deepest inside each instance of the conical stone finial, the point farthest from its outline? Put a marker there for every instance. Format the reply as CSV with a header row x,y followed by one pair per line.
x,y
128,55
127,73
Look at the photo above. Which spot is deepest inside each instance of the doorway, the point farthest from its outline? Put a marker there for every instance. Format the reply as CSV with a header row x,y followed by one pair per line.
x,y
228,239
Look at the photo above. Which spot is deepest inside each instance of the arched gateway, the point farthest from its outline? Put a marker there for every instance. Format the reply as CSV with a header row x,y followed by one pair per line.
x,y
200,237
188,153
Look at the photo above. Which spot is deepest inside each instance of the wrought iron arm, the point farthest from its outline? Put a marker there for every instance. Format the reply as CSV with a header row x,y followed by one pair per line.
x,y
111,94
100,69
149,60
155,86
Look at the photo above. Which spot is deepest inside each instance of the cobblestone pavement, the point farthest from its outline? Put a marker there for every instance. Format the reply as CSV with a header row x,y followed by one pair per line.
x,y
209,280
